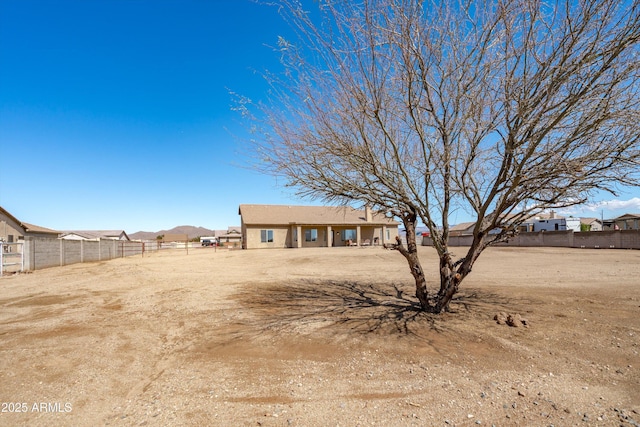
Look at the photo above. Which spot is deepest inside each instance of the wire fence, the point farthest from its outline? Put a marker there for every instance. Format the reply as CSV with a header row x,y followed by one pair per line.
x,y
11,257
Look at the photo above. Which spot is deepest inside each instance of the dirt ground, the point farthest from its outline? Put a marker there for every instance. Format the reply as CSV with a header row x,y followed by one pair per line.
x,y
322,337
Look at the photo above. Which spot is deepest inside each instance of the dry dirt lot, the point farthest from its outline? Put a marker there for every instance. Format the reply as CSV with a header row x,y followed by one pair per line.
x,y
322,337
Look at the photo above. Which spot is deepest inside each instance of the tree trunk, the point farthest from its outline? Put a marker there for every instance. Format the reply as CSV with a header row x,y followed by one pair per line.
x,y
421,282
411,255
451,273
450,277
449,281
449,287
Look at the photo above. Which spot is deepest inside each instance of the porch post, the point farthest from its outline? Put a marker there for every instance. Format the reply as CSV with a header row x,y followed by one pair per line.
x,y
300,236
384,234
358,236
329,236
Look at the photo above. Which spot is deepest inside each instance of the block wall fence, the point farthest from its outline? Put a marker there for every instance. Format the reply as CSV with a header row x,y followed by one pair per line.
x,y
614,239
43,253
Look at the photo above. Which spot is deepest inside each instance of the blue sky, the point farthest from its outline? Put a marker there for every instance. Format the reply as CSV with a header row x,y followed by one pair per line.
x,y
116,114
118,111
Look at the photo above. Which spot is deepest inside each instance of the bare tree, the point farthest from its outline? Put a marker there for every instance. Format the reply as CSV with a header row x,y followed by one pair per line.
x,y
499,108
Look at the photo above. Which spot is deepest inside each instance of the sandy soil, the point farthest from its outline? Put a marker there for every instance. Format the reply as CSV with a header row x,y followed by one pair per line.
x,y
321,337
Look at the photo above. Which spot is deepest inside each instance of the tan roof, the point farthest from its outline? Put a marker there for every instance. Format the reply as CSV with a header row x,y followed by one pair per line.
x,y
308,215
37,229
175,237
463,226
547,215
96,234
589,220
28,228
628,216
233,235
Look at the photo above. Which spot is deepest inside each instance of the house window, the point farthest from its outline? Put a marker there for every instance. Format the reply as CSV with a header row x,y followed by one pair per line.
x,y
311,235
266,236
349,235
388,234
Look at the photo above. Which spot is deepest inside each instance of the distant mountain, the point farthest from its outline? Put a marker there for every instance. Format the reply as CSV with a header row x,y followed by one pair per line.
x,y
192,231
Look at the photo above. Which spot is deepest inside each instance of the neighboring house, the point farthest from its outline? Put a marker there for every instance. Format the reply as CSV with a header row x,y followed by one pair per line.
x,y
590,224
573,224
232,237
553,224
623,222
94,235
466,229
170,238
12,229
229,237
281,226
539,222
546,222
462,229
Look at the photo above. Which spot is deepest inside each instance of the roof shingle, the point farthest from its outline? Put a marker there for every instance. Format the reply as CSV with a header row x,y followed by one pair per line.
x,y
308,215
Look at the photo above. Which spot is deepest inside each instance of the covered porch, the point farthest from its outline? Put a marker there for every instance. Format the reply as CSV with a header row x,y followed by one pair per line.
x,y
333,236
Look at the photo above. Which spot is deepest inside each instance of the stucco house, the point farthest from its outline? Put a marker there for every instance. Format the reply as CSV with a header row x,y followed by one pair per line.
x,y
12,229
94,235
282,226
230,237
174,238
462,229
623,222
539,222
590,224
544,221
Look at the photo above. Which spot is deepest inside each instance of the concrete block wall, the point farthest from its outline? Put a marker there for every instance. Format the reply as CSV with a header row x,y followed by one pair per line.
x,y
560,239
598,240
90,251
630,239
70,252
528,239
108,250
455,240
618,239
40,252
